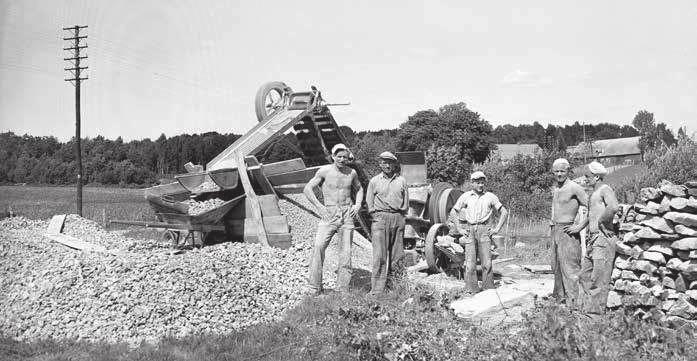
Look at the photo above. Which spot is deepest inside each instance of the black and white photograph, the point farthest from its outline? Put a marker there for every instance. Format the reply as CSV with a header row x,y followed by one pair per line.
x,y
388,180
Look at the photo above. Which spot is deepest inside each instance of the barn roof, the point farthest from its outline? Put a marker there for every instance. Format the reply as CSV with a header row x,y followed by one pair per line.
x,y
508,151
609,147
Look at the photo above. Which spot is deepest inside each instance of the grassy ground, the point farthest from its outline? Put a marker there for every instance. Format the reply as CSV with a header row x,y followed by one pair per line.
x,y
406,324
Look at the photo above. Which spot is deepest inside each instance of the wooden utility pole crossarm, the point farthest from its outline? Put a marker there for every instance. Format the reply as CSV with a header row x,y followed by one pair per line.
x,y
75,77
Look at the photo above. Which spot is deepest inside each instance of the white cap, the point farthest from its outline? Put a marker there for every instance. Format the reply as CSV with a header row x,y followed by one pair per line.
x,y
387,155
597,168
477,175
560,162
339,147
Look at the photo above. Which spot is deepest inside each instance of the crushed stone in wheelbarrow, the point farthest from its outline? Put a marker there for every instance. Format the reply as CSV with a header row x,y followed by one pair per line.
x,y
199,207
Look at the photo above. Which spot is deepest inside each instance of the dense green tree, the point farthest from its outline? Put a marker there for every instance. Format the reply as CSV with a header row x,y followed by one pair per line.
x,y
452,125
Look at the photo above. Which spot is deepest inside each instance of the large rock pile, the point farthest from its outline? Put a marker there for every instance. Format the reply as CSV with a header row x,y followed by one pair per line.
x,y
142,292
656,265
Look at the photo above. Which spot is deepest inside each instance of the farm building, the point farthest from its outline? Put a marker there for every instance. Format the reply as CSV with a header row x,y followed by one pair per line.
x,y
507,152
610,152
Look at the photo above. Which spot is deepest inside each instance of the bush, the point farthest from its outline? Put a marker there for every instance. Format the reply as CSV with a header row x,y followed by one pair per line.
x,y
677,164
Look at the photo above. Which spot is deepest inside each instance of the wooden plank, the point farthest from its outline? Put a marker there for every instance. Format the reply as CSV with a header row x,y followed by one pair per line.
x,y
299,176
283,167
75,243
56,224
536,268
276,224
252,200
295,188
257,138
269,205
411,157
258,175
281,240
272,225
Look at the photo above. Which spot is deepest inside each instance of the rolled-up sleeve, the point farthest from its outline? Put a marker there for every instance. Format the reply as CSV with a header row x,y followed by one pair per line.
x,y
405,192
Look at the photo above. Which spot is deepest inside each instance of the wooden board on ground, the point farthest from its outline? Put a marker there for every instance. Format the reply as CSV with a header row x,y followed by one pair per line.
x,y
538,268
283,167
489,301
75,243
56,224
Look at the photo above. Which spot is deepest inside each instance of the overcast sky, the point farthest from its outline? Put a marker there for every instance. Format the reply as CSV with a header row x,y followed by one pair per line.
x,y
194,66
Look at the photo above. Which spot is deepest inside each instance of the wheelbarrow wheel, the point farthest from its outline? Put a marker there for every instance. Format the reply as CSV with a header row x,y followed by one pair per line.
x,y
172,237
436,260
270,98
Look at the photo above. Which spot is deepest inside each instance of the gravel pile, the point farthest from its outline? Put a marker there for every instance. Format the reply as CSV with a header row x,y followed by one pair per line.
x,y
143,292
199,207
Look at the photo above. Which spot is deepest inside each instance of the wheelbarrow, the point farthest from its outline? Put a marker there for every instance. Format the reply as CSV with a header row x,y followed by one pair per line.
x,y
199,229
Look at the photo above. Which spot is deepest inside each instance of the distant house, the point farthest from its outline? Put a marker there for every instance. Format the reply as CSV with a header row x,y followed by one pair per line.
x,y
610,152
508,151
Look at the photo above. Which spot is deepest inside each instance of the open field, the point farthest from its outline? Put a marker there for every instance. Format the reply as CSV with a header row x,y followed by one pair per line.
x,y
42,202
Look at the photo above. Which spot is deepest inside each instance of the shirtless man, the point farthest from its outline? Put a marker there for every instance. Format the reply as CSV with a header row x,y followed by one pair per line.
x,y
566,240
337,213
596,267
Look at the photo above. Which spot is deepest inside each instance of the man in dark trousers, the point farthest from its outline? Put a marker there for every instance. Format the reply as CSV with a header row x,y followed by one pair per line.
x,y
597,263
567,197
387,198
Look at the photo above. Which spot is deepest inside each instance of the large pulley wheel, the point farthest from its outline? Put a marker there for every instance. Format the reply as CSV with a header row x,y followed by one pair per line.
x,y
437,261
432,203
446,202
270,98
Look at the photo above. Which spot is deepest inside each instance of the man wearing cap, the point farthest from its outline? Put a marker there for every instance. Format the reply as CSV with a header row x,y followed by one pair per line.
x,y
387,198
337,213
567,197
474,214
597,263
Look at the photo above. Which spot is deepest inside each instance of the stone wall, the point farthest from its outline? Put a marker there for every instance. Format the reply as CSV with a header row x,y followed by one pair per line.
x,y
656,265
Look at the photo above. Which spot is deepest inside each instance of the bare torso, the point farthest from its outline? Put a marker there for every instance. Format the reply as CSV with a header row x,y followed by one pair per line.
x,y
566,201
337,184
603,197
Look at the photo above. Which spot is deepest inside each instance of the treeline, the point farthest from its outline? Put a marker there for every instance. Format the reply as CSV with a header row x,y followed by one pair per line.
x,y
454,138
45,160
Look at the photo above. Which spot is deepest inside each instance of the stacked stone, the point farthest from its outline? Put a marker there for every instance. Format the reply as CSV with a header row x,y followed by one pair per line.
x,y
656,265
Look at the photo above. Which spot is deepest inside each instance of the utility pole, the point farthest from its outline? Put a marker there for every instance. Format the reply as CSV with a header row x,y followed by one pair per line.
x,y
76,69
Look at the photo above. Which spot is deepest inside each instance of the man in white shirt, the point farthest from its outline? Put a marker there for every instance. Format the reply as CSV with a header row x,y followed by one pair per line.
x,y
474,215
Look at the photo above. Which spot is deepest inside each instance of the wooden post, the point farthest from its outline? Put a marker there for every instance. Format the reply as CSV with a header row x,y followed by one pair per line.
x,y
252,199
